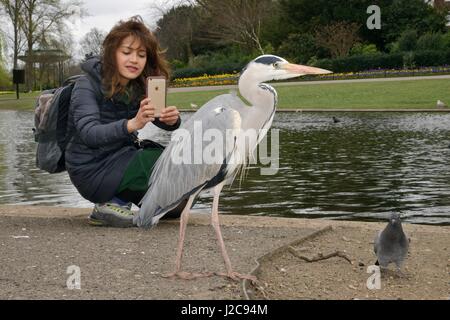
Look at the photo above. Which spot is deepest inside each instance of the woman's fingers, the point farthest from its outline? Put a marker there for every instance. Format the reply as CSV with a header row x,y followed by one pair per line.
x,y
147,110
170,112
170,115
148,115
145,102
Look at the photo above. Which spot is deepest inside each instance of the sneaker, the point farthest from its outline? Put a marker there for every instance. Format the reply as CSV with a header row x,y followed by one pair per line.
x,y
111,215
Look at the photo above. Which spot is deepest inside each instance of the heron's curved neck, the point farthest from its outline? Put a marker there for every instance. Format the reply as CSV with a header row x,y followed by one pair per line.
x,y
259,95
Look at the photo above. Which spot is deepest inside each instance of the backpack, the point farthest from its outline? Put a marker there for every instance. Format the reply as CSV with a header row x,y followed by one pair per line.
x,y
51,113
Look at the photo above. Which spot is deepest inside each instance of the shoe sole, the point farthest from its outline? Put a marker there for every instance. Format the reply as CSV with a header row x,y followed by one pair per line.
x,y
96,223
108,222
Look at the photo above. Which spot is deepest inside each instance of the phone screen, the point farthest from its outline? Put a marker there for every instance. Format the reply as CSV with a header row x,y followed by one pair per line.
x,y
157,92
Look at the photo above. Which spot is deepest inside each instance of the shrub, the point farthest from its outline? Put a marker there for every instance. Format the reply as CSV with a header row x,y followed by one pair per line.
x,y
299,47
5,79
190,72
424,58
407,41
428,58
409,61
360,49
226,61
446,39
362,62
431,41
177,64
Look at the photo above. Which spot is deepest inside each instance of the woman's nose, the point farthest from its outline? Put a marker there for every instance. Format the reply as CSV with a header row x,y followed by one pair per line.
x,y
133,57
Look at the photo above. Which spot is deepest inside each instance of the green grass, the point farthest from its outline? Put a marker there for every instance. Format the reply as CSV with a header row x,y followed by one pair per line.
x,y
416,94
8,101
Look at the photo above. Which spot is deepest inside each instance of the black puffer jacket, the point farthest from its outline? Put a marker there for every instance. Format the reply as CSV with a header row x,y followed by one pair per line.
x,y
101,147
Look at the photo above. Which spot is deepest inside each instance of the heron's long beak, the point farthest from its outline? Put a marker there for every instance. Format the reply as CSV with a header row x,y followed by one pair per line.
x,y
299,69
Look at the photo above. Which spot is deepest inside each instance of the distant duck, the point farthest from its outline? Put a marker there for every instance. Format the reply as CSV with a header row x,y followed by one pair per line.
x,y
194,106
441,104
336,120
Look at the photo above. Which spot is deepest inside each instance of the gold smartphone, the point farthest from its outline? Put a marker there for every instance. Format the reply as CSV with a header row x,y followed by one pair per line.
x,y
157,92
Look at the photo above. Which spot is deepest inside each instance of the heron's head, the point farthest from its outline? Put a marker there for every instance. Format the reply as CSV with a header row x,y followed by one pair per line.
x,y
269,67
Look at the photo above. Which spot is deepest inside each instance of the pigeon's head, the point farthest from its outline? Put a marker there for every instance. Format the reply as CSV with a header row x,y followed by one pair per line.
x,y
394,219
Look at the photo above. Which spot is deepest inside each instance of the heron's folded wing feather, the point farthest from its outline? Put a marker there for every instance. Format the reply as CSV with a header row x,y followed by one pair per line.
x,y
174,180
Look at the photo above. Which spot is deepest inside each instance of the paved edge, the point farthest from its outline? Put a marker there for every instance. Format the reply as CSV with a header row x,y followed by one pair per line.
x,y
347,110
225,220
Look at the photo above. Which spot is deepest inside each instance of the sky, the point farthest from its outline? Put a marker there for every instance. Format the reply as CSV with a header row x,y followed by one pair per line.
x,y
104,14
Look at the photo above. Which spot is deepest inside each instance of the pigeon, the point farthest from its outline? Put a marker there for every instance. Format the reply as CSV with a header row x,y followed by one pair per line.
x,y
440,104
391,244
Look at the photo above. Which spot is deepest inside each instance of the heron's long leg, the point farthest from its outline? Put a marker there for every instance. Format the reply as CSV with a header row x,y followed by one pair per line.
x,y
183,223
215,223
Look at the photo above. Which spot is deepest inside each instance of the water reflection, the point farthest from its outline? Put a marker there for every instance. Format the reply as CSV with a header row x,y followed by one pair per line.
x,y
361,168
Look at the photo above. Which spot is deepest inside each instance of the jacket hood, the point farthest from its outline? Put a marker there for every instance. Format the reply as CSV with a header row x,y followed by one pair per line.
x,y
92,65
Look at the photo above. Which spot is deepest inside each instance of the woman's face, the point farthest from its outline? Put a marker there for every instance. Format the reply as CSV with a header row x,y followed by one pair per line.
x,y
131,58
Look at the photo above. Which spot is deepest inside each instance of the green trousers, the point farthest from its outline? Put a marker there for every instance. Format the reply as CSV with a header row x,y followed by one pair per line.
x,y
134,182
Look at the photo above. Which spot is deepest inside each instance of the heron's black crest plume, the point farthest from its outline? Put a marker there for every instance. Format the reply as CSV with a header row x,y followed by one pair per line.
x,y
268,60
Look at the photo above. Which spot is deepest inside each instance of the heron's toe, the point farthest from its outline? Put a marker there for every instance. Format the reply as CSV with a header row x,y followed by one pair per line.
x,y
187,275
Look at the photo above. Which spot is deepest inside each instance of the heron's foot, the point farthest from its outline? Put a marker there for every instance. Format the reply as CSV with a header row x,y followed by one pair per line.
x,y
187,275
237,276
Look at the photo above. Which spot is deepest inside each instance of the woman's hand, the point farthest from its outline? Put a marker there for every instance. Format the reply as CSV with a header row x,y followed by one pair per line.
x,y
145,114
170,115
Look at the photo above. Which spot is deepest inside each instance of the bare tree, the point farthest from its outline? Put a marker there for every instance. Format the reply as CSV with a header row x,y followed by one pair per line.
x,y
43,23
338,37
175,30
237,21
13,9
92,42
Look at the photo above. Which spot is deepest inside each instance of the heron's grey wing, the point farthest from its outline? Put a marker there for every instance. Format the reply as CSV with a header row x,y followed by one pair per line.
x,y
225,100
178,173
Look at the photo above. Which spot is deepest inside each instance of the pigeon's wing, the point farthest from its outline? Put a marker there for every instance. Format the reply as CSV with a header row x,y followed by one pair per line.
x,y
376,242
182,170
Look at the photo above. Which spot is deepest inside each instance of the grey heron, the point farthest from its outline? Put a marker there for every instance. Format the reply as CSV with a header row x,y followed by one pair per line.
x,y
173,183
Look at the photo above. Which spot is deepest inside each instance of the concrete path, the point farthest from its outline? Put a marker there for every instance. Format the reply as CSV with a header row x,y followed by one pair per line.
x,y
41,246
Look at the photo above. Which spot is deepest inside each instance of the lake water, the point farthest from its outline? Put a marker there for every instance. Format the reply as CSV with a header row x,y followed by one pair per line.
x,y
361,168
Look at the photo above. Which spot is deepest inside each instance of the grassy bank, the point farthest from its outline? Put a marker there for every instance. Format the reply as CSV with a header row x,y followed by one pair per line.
x,y
8,101
415,94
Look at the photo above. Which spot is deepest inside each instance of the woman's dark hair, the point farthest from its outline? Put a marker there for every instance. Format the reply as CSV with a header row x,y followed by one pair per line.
x,y
156,64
